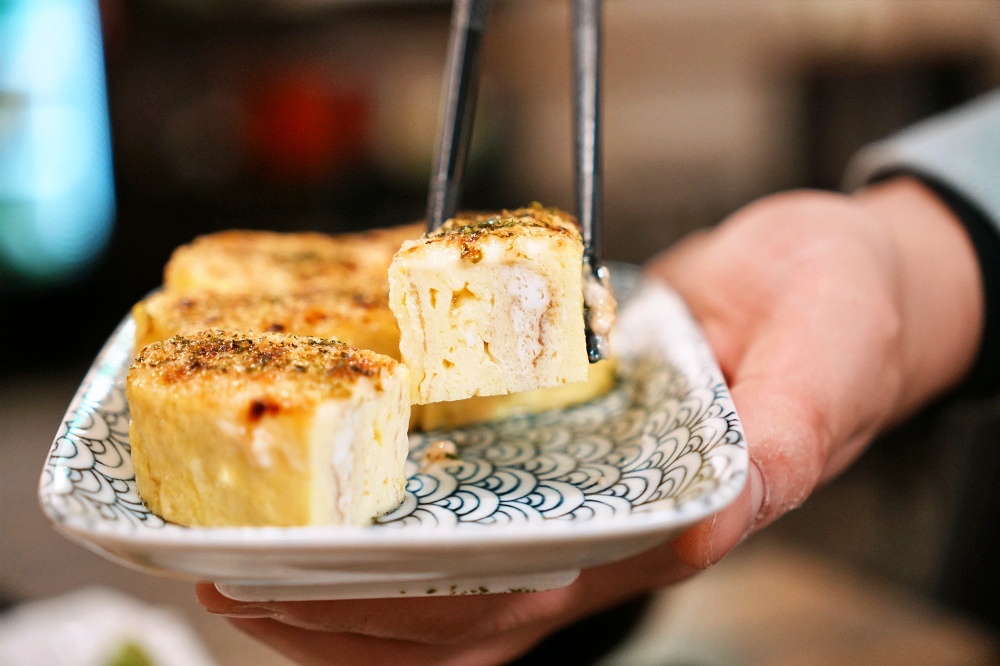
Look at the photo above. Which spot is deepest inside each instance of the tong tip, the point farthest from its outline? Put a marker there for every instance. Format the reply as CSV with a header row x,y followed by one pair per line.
x,y
599,308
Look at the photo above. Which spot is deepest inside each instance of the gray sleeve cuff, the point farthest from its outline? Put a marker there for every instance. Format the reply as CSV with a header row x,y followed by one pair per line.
x,y
959,149
957,155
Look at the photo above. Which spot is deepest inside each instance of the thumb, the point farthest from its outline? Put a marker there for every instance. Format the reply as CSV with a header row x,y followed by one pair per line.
x,y
709,541
784,443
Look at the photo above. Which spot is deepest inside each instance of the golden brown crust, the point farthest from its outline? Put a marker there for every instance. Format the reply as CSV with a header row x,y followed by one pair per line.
x,y
361,319
304,256
510,222
318,367
466,231
269,262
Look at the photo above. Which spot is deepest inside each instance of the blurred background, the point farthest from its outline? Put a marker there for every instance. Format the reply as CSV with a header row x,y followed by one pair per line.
x,y
127,127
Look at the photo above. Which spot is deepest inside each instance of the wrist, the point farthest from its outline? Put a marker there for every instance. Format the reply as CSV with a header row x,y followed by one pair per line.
x,y
940,289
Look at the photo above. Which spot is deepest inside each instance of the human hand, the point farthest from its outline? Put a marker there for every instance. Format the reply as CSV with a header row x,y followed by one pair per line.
x,y
832,317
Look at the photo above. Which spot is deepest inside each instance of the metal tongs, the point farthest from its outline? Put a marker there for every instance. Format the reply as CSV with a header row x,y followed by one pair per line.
x,y
461,83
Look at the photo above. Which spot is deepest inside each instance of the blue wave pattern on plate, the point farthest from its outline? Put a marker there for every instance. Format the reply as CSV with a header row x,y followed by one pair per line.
x,y
652,440
663,439
89,473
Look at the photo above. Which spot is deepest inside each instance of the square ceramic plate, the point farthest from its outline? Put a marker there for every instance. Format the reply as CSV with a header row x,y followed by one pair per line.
x,y
529,502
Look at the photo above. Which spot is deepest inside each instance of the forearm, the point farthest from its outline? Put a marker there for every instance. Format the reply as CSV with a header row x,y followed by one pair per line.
x,y
941,292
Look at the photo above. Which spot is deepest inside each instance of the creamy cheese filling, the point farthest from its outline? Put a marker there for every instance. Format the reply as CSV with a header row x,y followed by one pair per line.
x,y
342,462
529,300
261,444
601,304
260,440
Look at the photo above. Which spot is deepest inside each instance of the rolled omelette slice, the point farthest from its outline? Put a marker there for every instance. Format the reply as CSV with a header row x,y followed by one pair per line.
x,y
237,429
491,304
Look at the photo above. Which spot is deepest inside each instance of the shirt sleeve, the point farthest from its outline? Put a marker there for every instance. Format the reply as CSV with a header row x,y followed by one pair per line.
x,y
959,149
957,155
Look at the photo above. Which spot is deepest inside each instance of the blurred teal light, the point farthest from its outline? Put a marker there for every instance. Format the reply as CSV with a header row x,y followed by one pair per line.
x,y
56,181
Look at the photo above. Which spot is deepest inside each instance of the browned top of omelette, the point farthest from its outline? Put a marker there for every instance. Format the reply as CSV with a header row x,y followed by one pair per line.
x,y
359,318
467,231
296,369
251,261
